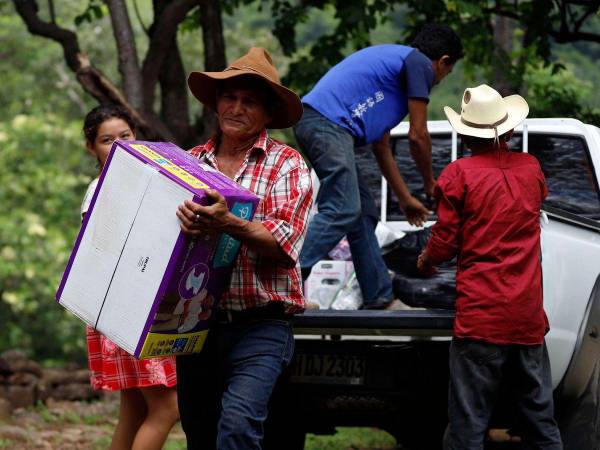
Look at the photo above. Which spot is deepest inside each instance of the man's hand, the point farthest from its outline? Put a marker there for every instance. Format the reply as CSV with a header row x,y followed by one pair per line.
x,y
197,219
424,265
416,213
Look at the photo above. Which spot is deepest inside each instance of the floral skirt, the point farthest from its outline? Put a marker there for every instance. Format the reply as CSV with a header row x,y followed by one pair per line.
x,y
113,369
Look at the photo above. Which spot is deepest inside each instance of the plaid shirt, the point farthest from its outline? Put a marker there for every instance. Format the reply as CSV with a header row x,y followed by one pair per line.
x,y
278,175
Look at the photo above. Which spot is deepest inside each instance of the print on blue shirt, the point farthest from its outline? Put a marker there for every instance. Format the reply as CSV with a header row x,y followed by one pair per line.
x,y
367,93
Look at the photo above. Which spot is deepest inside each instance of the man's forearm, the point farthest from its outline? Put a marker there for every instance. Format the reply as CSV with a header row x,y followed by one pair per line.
x,y
389,170
420,150
255,236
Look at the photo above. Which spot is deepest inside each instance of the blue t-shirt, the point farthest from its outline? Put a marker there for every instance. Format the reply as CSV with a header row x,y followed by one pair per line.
x,y
367,93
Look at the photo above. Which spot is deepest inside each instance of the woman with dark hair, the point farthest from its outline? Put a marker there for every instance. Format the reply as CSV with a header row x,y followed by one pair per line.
x,y
148,406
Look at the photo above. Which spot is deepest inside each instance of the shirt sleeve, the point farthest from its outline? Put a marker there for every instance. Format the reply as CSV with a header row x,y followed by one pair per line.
x,y
87,199
544,185
286,209
419,76
449,193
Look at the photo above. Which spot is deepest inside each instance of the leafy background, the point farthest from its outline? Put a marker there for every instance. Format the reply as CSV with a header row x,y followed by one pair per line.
x,y
44,169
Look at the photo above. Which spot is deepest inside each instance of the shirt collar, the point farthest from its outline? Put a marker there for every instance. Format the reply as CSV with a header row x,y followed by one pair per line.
x,y
209,149
501,146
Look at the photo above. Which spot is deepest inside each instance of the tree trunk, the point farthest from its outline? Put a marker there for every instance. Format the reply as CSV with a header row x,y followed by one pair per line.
x,y
174,96
214,56
162,32
129,65
501,63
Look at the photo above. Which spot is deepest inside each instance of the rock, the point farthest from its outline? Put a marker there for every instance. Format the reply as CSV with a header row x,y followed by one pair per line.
x,y
55,377
26,366
13,355
22,379
73,391
21,396
14,433
4,367
5,410
17,361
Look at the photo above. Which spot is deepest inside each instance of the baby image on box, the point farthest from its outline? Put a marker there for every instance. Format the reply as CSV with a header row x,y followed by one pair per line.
x,y
194,304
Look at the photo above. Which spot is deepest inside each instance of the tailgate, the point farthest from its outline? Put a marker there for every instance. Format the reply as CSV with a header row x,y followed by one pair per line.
x,y
414,322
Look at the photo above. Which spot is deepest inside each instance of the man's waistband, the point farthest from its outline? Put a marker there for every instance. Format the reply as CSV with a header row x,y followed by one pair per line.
x,y
272,311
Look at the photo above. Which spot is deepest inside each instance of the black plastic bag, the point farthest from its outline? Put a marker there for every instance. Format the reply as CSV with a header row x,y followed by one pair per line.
x,y
409,285
401,255
438,291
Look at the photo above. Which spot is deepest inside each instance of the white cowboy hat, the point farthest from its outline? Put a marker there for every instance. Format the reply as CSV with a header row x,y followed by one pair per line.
x,y
485,114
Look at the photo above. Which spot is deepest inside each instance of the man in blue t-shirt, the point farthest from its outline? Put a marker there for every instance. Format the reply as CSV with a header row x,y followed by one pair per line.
x,y
356,103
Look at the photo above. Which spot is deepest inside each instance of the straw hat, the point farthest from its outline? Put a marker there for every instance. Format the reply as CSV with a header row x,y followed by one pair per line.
x,y
485,114
257,63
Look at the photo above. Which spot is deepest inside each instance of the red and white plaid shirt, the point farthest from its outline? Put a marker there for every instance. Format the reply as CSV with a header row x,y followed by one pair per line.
x,y
278,175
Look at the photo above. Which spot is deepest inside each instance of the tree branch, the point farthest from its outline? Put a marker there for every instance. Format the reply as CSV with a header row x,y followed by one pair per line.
x,y
139,16
92,80
591,10
129,66
52,11
572,36
28,10
561,35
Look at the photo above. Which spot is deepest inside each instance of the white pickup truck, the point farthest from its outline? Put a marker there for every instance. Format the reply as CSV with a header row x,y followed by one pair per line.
x,y
389,369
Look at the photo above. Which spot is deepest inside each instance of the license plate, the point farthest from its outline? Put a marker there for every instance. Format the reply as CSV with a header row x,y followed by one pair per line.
x,y
329,369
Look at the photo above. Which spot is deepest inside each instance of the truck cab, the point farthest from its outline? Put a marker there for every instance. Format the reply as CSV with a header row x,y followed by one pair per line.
x,y
389,369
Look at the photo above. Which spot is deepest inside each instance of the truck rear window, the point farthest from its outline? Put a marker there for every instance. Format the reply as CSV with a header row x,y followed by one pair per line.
x,y
371,175
565,161
570,176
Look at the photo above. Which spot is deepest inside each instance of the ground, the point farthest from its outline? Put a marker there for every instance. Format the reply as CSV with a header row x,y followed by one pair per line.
x,y
89,425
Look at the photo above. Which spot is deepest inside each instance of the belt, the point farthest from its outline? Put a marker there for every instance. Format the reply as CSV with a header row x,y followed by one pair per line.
x,y
271,311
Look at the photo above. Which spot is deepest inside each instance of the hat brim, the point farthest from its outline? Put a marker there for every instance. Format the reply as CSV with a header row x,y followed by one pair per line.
x,y
516,108
286,112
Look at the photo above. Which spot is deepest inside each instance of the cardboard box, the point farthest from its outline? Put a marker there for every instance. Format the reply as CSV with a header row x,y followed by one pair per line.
x,y
325,280
133,275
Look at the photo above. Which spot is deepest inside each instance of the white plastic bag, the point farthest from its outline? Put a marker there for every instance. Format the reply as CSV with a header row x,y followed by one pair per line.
x,y
349,297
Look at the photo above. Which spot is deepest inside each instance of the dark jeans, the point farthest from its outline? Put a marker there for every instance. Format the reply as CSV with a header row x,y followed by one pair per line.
x,y
477,370
346,207
223,391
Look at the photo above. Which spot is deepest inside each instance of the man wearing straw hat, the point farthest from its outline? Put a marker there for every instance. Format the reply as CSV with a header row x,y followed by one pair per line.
x,y
224,390
488,215
356,103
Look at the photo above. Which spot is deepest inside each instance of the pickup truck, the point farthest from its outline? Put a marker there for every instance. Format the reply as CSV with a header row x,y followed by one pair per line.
x,y
389,369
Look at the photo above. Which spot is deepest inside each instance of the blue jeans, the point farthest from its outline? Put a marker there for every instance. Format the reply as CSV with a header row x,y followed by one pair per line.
x,y
346,207
477,371
223,392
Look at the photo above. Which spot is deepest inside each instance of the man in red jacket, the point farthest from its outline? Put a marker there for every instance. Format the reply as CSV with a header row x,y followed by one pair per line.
x,y
488,216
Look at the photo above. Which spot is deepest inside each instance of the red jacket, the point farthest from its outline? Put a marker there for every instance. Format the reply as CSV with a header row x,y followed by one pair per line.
x,y
488,216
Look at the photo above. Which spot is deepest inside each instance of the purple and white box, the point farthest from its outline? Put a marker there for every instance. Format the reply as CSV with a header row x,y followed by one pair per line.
x,y
133,275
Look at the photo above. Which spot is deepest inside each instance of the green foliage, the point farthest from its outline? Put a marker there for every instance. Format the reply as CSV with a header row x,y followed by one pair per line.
x,y
95,10
175,444
347,438
7,444
44,171
35,79
558,93
355,19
